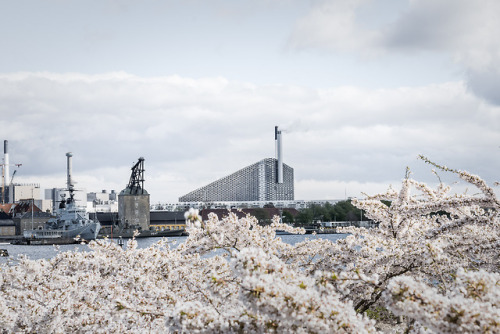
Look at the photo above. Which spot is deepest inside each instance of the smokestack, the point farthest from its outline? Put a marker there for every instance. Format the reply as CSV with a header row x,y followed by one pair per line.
x,y
279,155
6,174
70,167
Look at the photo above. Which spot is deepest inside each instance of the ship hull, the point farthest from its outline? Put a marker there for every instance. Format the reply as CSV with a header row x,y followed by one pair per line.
x,y
54,241
86,232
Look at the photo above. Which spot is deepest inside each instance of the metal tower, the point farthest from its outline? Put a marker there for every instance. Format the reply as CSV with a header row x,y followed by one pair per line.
x,y
136,182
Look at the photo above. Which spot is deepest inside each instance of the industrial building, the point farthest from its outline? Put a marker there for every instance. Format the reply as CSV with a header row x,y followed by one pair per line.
x,y
102,202
7,225
133,201
266,180
13,193
229,205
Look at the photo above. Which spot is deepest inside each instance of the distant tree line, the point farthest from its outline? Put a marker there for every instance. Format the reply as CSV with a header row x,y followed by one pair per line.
x,y
340,211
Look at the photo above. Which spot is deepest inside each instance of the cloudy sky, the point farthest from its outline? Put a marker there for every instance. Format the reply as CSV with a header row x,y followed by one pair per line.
x,y
360,88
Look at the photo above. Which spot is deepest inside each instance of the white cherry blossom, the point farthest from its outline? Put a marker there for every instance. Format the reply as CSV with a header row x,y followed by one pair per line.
x,y
434,259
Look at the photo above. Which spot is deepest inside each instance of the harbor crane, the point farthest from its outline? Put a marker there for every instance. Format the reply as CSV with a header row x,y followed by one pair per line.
x,y
12,178
136,182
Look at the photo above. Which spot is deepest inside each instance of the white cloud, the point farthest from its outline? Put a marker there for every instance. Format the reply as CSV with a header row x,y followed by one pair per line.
x,y
332,24
464,30
192,132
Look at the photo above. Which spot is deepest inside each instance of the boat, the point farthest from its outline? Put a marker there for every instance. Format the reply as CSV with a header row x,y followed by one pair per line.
x,y
70,224
128,231
281,232
148,233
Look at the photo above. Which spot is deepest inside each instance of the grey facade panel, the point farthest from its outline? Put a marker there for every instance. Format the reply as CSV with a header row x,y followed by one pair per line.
x,y
256,182
134,209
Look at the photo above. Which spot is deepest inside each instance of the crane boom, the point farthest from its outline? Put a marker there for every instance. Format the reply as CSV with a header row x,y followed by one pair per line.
x,y
12,178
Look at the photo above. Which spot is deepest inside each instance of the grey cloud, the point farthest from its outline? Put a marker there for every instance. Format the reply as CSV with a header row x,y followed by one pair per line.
x,y
192,132
485,83
466,31
429,25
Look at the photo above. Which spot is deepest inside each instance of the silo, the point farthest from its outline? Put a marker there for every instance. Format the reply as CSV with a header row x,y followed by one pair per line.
x,y
133,201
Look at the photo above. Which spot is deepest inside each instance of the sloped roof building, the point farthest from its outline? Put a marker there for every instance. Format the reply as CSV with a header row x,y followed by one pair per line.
x,y
266,180
257,182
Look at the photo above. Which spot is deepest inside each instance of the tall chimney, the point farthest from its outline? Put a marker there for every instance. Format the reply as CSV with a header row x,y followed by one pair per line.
x,y
279,155
70,167
6,174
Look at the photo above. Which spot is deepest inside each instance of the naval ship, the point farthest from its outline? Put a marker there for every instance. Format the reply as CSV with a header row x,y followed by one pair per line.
x,y
70,224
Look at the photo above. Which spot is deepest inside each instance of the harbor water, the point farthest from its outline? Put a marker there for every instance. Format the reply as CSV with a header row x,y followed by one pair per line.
x,y
36,252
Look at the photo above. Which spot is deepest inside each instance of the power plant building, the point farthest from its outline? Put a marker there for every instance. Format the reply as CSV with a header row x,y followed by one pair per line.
x,y
267,180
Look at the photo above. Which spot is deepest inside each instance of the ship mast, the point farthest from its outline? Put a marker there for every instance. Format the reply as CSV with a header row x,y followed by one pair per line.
x,y
69,181
69,169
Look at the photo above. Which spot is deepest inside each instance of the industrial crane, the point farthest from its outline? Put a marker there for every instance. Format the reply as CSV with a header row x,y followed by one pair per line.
x,y
12,178
136,182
